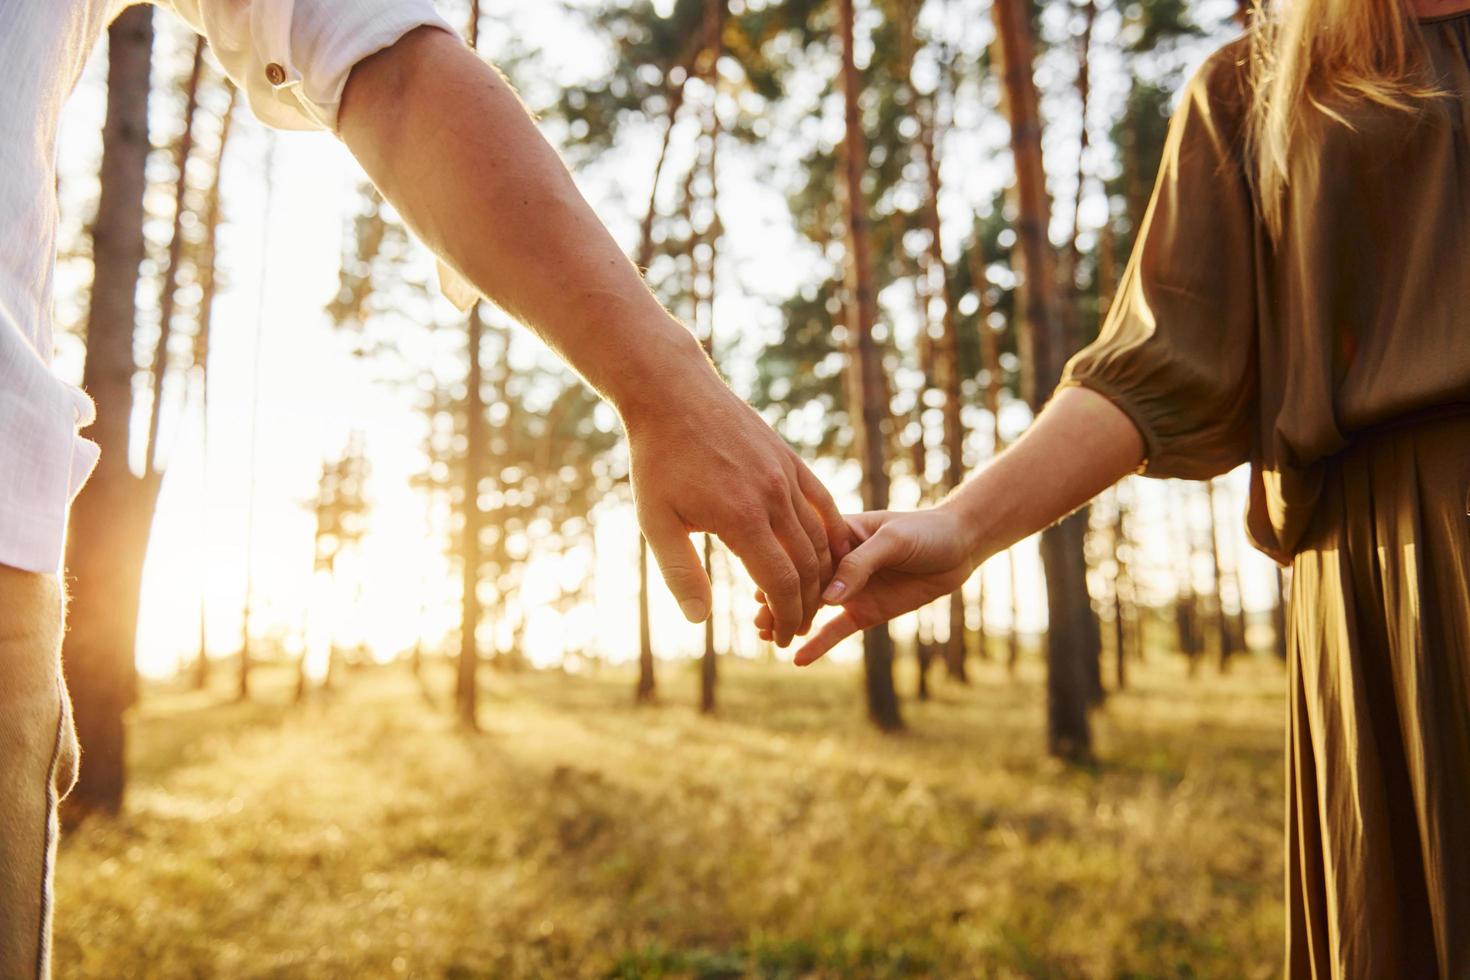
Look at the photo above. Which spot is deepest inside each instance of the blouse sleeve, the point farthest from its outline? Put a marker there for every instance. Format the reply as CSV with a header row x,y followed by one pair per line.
x,y
292,58
1177,351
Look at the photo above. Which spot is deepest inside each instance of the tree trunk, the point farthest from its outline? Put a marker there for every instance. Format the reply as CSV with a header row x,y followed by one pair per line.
x,y
1222,619
1072,635
866,368
982,640
1068,679
946,354
1082,332
1186,603
647,685
169,287
466,690
714,16
1124,609
924,647
708,664
1013,651
923,654
109,527
242,690
202,339
1239,628
1084,93
995,383
646,690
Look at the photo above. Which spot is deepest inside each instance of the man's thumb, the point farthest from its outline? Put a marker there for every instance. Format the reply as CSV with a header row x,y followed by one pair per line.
x,y
680,564
857,567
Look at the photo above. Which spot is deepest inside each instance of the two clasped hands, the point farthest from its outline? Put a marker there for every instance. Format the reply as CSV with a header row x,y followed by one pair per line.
x,y
705,461
492,199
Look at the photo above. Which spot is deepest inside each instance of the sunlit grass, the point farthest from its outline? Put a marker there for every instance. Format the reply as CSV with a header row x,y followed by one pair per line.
x,y
361,835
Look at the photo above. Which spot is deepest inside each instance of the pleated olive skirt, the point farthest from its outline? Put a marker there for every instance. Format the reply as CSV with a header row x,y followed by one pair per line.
x,y
1378,811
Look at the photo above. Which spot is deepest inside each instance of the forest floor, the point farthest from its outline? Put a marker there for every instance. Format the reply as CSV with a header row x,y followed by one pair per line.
x,y
362,835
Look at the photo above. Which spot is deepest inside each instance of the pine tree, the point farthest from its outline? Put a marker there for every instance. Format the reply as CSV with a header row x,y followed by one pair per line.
x,y
109,526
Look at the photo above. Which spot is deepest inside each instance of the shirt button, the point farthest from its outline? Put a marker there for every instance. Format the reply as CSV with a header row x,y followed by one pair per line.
x,y
275,74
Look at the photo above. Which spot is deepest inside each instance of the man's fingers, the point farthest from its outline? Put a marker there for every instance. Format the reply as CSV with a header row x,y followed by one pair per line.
x,y
679,562
816,494
827,636
802,551
816,532
777,577
851,577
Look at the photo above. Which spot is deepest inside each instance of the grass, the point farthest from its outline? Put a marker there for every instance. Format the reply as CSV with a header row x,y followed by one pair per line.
x,y
362,835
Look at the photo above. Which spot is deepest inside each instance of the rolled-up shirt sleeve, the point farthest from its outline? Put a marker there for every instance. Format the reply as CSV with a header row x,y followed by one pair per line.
x,y
1177,352
292,58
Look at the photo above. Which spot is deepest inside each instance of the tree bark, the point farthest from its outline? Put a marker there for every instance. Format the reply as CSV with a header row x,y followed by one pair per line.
x,y
647,688
1222,618
202,339
709,662
994,374
1068,678
1124,609
866,373
1186,602
109,526
1072,635
169,287
466,690
946,355
714,17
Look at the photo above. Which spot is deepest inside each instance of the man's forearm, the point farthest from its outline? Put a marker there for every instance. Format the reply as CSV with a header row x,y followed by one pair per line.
x,y
448,141
452,147
1078,447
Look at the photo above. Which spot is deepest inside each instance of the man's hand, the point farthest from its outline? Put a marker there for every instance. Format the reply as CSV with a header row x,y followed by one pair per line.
x,y
447,141
901,562
702,460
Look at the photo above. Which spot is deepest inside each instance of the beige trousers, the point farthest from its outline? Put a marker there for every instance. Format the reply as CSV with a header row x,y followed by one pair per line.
x,y
38,765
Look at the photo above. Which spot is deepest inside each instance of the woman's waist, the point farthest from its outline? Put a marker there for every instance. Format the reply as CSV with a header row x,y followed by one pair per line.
x,y
1448,414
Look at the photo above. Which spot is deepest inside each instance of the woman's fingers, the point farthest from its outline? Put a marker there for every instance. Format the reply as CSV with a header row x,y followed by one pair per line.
x,y
873,555
827,636
864,525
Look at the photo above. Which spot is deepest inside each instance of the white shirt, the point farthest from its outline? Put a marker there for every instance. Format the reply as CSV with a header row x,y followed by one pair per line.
x,y
291,58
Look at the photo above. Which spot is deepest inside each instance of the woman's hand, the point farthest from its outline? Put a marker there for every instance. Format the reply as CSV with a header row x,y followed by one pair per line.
x,y
1080,445
899,562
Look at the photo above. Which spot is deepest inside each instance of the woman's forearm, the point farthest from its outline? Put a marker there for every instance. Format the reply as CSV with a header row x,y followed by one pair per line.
x,y
1080,445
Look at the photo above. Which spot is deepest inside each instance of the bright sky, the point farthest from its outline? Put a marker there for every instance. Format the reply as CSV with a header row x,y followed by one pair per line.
x,y
289,198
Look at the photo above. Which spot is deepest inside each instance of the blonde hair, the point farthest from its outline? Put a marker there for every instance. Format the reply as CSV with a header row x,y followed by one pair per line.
x,y
1312,58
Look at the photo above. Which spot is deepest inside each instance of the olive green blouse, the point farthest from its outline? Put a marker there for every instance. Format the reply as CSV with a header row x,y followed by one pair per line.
x,y
1224,346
